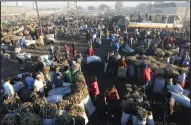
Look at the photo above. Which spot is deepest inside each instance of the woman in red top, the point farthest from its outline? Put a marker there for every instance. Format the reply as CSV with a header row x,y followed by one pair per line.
x,y
111,99
94,89
90,51
67,49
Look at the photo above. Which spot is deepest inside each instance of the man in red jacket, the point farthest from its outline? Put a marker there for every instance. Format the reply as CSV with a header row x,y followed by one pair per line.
x,y
90,51
94,89
147,75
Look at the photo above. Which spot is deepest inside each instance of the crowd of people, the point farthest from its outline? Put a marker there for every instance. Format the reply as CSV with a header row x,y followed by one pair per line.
x,y
63,68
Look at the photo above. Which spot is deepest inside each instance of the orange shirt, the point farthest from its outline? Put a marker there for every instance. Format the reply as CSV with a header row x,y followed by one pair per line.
x,y
123,63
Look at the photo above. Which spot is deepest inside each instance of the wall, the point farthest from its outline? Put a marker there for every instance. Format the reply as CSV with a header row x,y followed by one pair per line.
x,y
181,11
167,10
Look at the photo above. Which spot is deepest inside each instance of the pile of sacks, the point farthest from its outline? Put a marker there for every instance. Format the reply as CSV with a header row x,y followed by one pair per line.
x,y
71,100
135,108
168,70
180,95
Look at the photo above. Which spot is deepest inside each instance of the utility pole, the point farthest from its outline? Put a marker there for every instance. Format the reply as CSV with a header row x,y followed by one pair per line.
x,y
72,10
38,16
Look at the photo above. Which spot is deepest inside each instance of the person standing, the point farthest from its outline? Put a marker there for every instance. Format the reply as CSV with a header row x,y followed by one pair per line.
x,y
8,88
168,106
38,85
94,89
74,49
29,81
22,42
181,78
58,78
90,51
67,50
57,54
147,75
111,98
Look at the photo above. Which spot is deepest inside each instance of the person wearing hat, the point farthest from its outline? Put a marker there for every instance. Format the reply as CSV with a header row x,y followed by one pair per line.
x,y
8,88
38,85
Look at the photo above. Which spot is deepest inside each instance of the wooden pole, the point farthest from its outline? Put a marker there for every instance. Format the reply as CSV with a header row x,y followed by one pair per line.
x,y
38,17
77,17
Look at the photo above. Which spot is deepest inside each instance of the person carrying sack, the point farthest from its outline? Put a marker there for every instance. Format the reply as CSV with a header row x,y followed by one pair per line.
x,y
147,76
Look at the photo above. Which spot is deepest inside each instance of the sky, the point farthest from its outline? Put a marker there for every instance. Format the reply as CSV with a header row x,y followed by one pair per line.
x,y
64,4
84,4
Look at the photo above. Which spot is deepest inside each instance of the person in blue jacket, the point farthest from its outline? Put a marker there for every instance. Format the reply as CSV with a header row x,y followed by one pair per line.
x,y
116,46
22,41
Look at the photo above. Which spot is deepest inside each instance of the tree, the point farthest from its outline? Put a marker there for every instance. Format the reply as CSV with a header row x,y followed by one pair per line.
x,y
103,7
118,5
91,8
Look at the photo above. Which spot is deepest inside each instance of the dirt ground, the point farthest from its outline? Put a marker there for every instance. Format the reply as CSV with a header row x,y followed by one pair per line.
x,y
181,117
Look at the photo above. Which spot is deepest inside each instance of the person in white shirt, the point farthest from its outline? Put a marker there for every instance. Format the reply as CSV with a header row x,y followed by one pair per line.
x,y
38,84
8,88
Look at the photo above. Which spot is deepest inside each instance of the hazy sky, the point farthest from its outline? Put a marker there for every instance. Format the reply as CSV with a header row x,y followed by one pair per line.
x,y
84,4
64,4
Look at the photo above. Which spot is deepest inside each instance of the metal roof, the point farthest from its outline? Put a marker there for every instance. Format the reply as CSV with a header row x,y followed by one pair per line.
x,y
172,4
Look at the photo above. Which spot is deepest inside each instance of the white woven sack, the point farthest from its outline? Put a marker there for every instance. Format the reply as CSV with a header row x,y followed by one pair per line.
x,y
186,92
60,91
54,98
105,67
150,120
175,88
91,59
18,86
84,114
89,107
48,121
141,122
61,112
181,99
125,118
122,72
66,84
159,85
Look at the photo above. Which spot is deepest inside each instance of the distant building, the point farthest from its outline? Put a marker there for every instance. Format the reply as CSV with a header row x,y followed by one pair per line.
x,y
181,9
12,10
